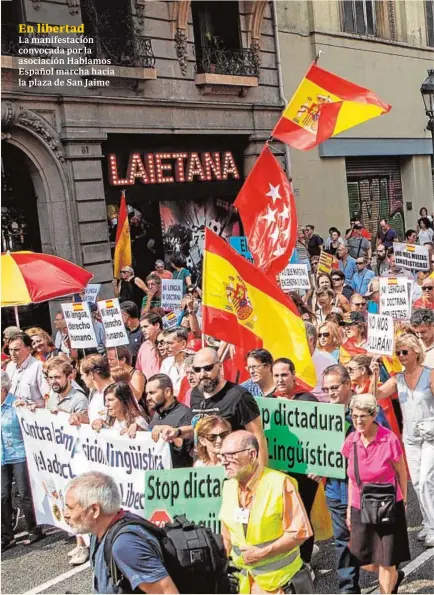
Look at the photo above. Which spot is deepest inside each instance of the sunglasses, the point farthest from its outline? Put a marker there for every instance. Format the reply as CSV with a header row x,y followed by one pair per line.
x,y
214,437
427,288
323,334
124,272
359,304
352,370
161,342
336,279
399,352
198,369
360,263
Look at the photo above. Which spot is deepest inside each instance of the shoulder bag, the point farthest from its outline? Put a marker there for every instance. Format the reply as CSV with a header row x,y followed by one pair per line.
x,y
377,500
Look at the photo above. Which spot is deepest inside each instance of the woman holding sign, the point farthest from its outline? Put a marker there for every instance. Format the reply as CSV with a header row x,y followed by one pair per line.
x,y
415,388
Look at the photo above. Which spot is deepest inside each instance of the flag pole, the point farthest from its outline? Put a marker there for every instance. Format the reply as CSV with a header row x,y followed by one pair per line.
x,y
17,318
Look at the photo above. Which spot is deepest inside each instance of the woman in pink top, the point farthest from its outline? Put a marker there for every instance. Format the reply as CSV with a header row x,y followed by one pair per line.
x,y
379,548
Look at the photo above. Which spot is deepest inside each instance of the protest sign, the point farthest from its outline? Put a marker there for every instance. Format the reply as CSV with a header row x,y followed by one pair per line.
x,y
381,334
294,276
394,297
239,243
195,255
171,319
57,452
304,437
111,317
196,492
125,460
79,324
50,444
410,256
91,292
325,263
171,293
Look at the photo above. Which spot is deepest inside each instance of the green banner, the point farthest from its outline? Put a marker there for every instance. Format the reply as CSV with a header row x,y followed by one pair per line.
x,y
304,437
195,492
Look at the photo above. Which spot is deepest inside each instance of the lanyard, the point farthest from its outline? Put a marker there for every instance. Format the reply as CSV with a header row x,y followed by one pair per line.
x,y
361,282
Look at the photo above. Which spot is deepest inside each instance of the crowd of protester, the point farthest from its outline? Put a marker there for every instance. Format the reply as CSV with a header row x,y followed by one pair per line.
x,y
199,394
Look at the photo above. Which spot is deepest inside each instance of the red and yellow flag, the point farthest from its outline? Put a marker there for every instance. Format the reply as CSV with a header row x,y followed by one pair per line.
x,y
242,306
122,257
323,106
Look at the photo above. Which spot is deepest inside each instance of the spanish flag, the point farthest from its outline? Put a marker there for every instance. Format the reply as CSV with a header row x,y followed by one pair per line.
x,y
242,306
122,256
323,106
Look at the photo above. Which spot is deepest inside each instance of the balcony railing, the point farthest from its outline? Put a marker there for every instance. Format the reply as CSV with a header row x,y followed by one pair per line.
x,y
230,62
136,51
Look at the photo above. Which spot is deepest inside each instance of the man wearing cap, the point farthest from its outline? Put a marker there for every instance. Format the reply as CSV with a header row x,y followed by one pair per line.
x,y
373,296
360,280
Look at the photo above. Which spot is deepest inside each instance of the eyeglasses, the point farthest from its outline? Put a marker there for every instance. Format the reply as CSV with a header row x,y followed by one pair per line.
x,y
352,370
399,352
332,389
208,368
231,456
214,437
359,304
323,334
427,288
360,417
254,368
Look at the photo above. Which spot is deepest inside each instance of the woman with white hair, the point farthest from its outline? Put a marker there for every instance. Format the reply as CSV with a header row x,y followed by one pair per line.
x,y
161,271
415,387
14,467
376,464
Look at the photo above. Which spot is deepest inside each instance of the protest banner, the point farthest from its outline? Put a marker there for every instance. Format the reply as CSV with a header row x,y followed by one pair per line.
x,y
239,243
325,263
171,319
126,460
52,461
57,452
91,292
412,257
381,334
171,293
394,297
195,492
111,317
294,276
79,324
304,437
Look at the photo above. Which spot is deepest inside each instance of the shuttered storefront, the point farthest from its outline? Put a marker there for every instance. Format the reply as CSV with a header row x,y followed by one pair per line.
x,y
375,191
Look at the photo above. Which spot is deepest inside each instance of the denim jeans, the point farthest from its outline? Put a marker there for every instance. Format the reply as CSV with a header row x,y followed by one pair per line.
x,y
17,471
347,565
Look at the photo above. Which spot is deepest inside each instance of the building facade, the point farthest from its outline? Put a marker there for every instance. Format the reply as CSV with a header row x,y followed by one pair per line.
x,y
192,94
381,168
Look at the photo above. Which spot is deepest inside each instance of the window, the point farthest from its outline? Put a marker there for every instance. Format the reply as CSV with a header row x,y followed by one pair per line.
x,y
11,16
429,14
358,16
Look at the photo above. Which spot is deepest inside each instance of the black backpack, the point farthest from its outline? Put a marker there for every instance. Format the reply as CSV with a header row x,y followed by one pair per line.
x,y
194,557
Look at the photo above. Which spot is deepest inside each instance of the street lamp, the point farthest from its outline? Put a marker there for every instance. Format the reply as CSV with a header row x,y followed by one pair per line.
x,y
427,90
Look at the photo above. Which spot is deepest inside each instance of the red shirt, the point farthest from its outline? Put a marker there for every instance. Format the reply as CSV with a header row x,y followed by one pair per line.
x,y
423,303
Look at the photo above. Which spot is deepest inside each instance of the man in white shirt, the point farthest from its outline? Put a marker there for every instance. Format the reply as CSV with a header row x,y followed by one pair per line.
x,y
422,320
174,365
61,341
25,372
95,373
321,361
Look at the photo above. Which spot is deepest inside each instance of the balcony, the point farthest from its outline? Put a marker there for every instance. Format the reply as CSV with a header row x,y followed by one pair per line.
x,y
224,68
135,52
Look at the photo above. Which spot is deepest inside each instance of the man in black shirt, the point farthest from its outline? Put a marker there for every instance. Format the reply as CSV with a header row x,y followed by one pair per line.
x,y
169,414
130,316
315,243
216,396
284,378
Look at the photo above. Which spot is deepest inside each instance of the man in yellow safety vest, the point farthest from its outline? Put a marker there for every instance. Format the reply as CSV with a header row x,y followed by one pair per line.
x,y
263,521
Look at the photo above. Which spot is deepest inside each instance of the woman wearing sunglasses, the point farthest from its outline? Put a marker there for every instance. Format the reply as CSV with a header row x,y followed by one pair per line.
x,y
329,339
210,432
415,387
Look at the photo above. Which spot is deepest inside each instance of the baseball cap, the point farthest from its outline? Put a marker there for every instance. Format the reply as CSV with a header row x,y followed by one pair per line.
x,y
373,286
353,317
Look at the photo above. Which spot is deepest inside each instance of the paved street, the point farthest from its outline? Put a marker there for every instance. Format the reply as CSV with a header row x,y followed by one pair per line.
x,y
44,568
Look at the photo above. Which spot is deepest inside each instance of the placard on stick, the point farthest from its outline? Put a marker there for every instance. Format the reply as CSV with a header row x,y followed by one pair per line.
x,y
171,293
381,334
412,257
294,276
111,317
394,297
79,324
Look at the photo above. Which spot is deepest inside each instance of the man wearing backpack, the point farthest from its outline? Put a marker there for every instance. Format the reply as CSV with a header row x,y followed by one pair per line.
x,y
263,521
93,505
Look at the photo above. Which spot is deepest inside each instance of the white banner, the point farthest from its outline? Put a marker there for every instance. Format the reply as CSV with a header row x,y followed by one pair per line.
x,y
294,276
79,323
111,317
171,293
57,452
410,256
395,297
91,292
381,334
